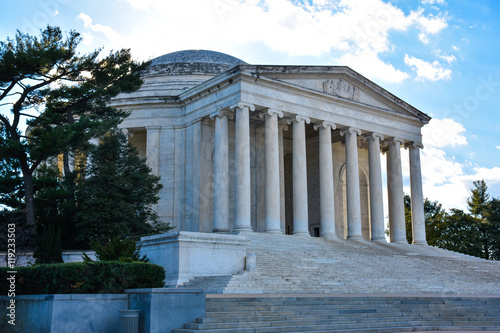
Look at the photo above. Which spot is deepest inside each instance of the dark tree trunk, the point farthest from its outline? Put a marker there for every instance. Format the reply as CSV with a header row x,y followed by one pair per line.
x,y
66,167
29,200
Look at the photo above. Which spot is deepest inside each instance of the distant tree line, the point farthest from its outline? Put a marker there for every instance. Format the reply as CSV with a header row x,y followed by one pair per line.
x,y
475,232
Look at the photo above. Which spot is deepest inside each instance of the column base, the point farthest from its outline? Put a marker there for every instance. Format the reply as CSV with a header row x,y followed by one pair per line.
x,y
379,240
400,241
355,237
329,235
243,229
301,233
420,243
273,231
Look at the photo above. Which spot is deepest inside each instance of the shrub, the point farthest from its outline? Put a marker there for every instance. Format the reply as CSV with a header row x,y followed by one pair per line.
x,y
84,278
117,249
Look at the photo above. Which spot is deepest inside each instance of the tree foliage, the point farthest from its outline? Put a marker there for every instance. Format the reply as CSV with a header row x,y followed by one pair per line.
x,y
61,95
476,232
116,248
115,193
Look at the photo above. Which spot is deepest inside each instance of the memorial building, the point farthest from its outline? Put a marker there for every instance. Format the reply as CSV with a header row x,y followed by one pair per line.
x,y
276,149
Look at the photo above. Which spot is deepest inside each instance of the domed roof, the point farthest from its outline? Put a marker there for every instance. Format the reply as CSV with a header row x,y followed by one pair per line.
x,y
189,62
196,56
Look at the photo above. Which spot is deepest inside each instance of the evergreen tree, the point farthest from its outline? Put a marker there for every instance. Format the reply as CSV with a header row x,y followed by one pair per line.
x,y
11,183
49,249
459,232
116,194
434,214
478,204
61,95
493,216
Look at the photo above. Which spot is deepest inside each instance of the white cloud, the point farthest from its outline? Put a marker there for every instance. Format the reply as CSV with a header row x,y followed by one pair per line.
x,y
88,38
357,30
444,179
428,24
448,58
368,63
107,31
426,70
431,2
423,37
443,133
455,48
498,147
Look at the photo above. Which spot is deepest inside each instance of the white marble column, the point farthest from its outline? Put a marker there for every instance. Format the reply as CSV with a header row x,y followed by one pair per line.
x,y
221,172
376,192
153,152
153,148
242,220
417,196
352,180
326,194
273,222
282,126
299,166
397,227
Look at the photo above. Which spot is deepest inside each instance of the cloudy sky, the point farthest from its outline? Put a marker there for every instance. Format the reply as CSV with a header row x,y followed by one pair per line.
x,y
441,56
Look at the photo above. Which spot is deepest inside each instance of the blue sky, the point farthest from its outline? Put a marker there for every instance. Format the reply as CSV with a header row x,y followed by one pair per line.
x,y
441,56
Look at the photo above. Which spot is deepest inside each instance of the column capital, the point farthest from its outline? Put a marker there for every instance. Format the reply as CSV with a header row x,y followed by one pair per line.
x,y
153,128
394,140
414,144
242,105
271,112
350,130
373,135
298,118
325,124
222,113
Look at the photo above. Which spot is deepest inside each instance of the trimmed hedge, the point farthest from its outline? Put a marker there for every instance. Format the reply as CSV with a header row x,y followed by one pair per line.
x,y
83,278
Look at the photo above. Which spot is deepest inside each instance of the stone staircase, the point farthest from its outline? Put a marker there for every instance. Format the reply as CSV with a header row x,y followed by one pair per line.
x,y
290,264
321,313
317,285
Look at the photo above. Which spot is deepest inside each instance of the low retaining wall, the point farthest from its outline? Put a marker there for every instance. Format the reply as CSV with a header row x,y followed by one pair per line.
x,y
186,255
163,309
26,258
160,311
64,313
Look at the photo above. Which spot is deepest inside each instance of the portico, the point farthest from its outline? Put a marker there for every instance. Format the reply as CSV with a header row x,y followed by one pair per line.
x,y
277,149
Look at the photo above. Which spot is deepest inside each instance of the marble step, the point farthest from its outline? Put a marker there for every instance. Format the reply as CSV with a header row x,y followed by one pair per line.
x,y
357,313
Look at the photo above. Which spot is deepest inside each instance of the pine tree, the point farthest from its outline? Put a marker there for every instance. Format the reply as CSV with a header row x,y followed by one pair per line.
x,y
478,203
116,194
61,95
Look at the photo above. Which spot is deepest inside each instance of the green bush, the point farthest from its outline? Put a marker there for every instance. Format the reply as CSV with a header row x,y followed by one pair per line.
x,y
84,278
116,248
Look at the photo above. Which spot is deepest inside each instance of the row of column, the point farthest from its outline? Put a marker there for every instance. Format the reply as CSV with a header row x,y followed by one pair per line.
x,y
300,205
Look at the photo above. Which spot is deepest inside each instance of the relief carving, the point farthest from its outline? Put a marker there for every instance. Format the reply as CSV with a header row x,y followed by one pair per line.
x,y
342,89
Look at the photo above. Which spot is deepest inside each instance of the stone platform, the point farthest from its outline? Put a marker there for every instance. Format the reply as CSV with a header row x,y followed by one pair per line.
x,y
292,264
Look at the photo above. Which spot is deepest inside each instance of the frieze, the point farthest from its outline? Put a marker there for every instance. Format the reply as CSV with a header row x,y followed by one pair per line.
x,y
342,89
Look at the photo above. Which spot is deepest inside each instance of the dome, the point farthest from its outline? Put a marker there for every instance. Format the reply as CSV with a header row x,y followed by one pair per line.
x,y
196,56
192,62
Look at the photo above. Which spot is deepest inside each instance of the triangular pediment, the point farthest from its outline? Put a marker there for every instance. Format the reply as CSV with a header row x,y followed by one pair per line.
x,y
341,83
